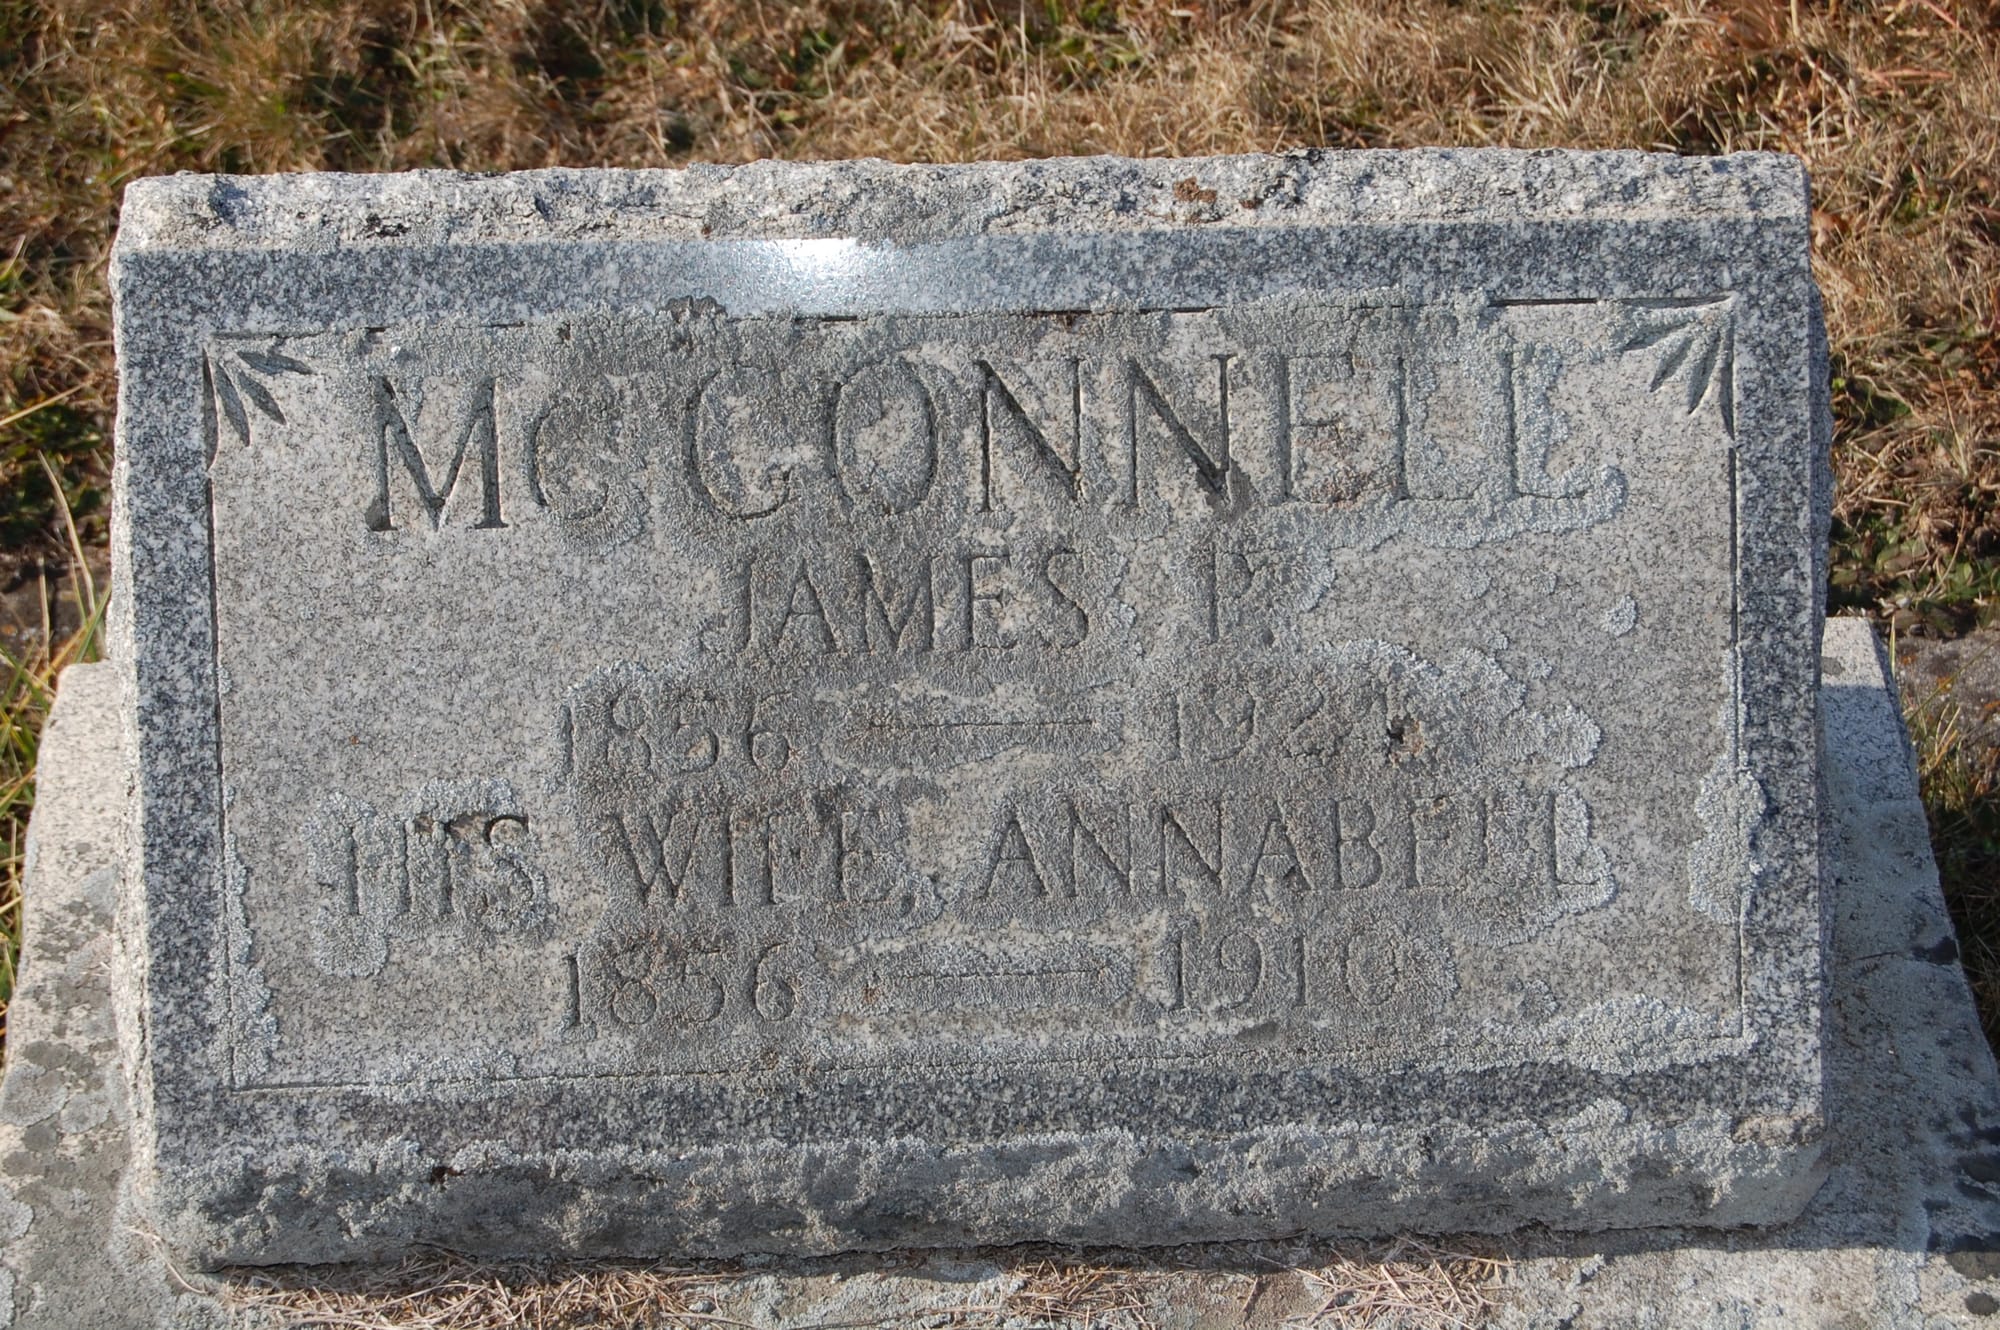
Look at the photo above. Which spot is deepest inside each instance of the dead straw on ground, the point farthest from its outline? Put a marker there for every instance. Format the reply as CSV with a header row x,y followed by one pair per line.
x,y
1409,1284
436,1291
1404,1284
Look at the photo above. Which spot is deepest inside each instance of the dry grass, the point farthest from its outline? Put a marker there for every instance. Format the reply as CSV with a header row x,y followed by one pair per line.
x,y
25,698
1895,104
435,1291
1407,1284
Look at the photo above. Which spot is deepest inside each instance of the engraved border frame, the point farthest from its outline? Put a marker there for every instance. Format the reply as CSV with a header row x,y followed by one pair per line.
x,y
252,1037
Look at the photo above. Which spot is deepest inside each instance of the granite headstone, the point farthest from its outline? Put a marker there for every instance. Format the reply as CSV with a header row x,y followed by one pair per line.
x,y
809,707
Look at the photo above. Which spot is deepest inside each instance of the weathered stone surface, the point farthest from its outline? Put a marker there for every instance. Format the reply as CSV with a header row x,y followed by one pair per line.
x,y
807,708
1903,1232
74,1249
1906,1230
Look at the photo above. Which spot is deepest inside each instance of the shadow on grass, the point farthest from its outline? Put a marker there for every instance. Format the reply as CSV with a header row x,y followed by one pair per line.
x,y
1958,771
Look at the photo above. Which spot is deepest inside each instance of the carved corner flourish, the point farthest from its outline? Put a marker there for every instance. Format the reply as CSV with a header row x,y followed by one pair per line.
x,y
238,379
1696,342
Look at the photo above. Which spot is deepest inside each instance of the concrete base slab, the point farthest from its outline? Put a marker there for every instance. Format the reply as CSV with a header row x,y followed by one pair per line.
x,y
1905,1232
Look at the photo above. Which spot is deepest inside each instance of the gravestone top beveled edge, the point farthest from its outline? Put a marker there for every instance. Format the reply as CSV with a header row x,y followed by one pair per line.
x,y
871,199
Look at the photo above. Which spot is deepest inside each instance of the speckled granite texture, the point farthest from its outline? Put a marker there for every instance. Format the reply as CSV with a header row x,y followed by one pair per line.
x,y
1905,1232
74,1249
812,708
